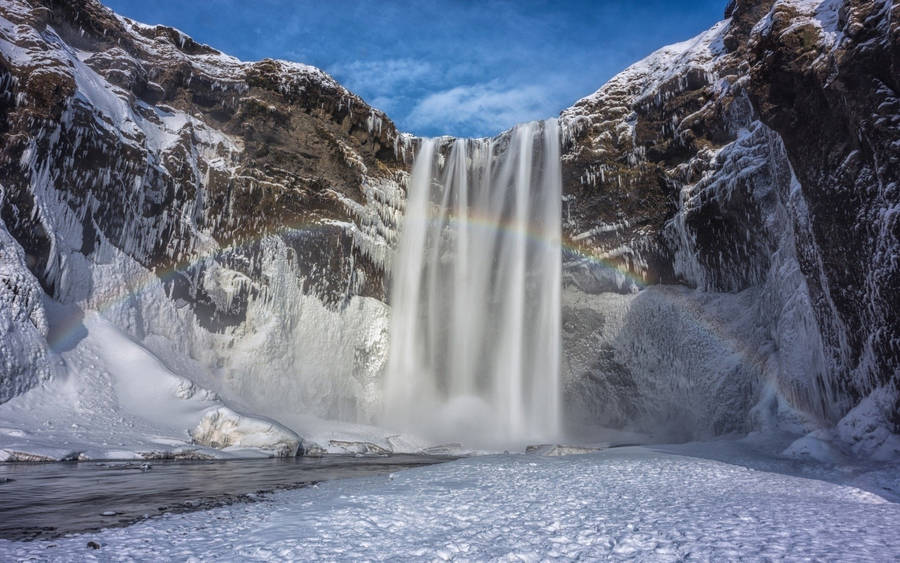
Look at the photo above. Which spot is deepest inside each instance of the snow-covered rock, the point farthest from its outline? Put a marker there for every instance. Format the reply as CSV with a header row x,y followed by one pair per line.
x,y
195,202
757,163
222,428
865,429
818,446
558,450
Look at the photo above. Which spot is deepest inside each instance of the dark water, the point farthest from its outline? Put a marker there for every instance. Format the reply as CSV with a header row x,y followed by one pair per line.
x,y
46,500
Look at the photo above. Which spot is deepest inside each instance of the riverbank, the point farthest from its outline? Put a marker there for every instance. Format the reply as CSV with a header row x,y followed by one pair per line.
x,y
50,500
708,501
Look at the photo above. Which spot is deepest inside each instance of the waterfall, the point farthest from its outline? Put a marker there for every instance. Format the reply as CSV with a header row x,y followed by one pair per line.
x,y
475,295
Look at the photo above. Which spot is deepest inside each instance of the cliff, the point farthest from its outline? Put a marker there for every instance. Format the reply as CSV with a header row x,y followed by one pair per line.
x,y
730,211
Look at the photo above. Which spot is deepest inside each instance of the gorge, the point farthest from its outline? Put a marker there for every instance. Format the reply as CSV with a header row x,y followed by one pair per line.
x,y
723,250
251,319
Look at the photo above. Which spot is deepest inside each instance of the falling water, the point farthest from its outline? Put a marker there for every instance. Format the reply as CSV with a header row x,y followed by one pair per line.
x,y
476,291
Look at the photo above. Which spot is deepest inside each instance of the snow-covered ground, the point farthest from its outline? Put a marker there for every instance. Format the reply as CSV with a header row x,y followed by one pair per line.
x,y
622,503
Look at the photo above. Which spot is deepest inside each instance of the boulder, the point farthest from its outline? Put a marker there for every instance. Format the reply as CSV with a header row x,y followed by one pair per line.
x,y
222,428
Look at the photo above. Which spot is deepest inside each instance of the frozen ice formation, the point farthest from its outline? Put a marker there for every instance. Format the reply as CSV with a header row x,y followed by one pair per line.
x,y
222,428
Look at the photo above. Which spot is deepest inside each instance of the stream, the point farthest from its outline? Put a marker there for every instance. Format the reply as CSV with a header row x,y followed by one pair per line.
x,y
48,500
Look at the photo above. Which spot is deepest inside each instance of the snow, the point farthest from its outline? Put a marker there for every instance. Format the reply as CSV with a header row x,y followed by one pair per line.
x,y
624,503
824,15
116,400
224,428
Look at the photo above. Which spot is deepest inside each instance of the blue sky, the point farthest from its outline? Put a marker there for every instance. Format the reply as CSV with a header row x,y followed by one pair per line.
x,y
461,68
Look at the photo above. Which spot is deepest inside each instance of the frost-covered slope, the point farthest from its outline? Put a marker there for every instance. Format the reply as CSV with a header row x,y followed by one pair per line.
x,y
113,399
23,323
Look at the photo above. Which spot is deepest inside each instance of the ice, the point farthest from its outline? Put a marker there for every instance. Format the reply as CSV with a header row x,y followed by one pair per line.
x,y
623,503
24,361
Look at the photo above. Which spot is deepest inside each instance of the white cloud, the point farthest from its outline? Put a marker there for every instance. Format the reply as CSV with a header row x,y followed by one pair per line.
x,y
422,91
386,104
480,107
381,77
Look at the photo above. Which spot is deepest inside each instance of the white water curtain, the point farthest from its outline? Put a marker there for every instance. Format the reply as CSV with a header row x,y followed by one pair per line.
x,y
475,339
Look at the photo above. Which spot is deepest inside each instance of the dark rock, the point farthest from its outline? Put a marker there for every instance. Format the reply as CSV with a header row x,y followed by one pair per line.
x,y
837,111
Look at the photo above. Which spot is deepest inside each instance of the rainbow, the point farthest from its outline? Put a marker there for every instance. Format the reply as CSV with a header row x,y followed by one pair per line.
x,y
155,277
70,326
568,245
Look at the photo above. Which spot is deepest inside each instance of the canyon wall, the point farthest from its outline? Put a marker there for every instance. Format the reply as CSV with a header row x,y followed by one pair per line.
x,y
730,211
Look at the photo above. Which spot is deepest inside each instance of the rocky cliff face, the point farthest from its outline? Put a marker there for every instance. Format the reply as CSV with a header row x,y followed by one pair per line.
x,y
730,208
757,161
196,199
827,80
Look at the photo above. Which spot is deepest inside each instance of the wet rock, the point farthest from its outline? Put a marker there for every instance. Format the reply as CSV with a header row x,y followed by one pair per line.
x,y
444,449
17,456
311,449
359,447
